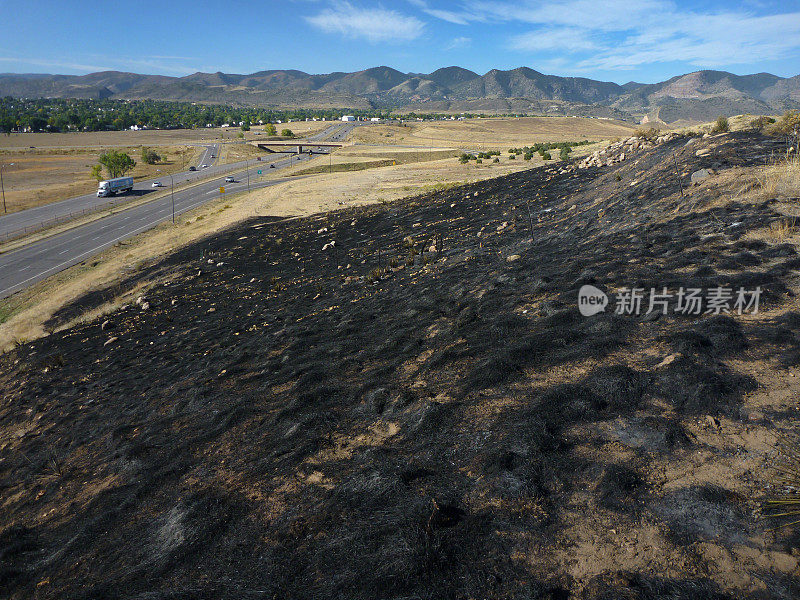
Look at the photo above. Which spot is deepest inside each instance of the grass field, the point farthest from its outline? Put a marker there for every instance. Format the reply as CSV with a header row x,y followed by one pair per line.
x,y
488,134
236,151
155,138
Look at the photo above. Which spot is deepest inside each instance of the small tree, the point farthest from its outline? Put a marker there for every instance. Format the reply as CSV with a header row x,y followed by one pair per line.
x,y
564,154
287,133
97,172
269,129
721,125
246,126
149,156
546,156
116,163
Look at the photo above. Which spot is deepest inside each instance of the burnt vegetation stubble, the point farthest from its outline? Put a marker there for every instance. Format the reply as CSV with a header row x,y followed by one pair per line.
x,y
281,431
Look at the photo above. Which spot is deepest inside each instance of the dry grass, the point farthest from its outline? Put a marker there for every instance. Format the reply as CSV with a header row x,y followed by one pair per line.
x,y
485,134
112,139
350,159
236,151
784,508
783,229
780,180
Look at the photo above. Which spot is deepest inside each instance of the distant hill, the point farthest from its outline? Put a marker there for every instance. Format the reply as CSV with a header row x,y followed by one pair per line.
x,y
697,96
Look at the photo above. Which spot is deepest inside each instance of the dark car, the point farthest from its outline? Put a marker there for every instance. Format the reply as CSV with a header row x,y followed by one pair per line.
x,y
272,166
193,168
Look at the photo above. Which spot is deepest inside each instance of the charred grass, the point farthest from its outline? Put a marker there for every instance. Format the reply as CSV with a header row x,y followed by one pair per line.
x,y
279,424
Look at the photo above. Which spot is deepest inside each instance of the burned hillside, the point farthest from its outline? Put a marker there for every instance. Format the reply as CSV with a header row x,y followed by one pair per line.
x,y
404,401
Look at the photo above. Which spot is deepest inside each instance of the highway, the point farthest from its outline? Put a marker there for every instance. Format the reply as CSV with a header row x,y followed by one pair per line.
x,y
38,260
32,218
14,224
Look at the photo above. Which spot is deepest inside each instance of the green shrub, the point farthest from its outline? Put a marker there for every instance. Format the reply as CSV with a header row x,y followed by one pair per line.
x,y
787,124
647,134
760,123
721,125
150,157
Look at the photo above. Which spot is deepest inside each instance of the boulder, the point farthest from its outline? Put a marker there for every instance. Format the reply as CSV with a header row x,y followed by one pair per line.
x,y
700,176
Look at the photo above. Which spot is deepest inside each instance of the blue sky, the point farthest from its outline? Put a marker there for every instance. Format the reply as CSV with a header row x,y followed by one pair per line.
x,y
645,40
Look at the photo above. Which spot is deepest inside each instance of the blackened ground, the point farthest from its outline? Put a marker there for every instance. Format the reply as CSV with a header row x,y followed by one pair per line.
x,y
283,423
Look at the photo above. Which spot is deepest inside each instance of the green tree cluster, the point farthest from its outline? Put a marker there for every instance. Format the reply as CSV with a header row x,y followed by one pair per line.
x,y
116,163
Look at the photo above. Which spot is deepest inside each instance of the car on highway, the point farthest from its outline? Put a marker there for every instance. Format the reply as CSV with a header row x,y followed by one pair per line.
x,y
155,184
203,166
193,168
272,166
230,180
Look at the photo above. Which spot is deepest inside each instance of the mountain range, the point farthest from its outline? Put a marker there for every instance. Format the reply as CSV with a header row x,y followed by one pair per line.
x,y
698,96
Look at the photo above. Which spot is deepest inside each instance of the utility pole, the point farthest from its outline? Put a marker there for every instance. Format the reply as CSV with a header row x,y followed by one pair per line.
x,y
2,187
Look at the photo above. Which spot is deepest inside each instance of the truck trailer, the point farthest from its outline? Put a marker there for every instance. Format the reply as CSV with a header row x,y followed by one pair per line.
x,y
119,185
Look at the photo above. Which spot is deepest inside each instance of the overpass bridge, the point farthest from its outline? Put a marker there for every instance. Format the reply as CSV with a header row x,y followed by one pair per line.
x,y
296,147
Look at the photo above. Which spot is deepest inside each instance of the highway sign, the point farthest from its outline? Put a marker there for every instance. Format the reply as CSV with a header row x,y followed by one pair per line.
x,y
259,171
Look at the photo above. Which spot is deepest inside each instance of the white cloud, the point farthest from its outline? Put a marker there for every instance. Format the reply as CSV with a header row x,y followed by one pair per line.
x,y
620,34
41,62
706,41
372,24
460,17
99,63
459,42
562,39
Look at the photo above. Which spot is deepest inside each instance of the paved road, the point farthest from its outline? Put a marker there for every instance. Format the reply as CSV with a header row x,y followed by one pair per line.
x,y
36,261
32,219
12,225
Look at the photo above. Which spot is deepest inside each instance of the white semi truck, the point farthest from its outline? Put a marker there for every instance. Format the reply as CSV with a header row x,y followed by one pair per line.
x,y
120,185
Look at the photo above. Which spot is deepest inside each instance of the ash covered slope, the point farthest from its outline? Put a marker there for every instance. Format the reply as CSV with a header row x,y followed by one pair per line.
x,y
289,428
